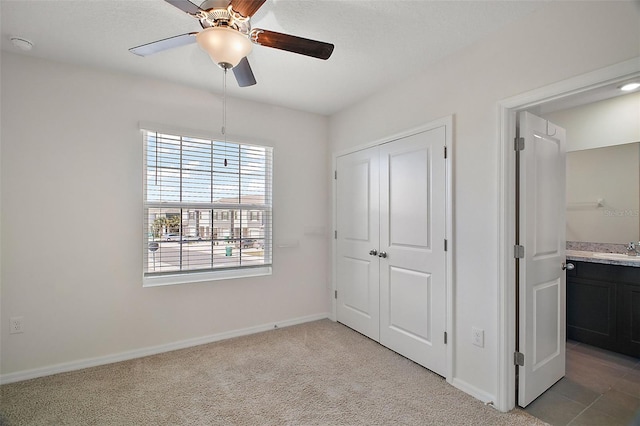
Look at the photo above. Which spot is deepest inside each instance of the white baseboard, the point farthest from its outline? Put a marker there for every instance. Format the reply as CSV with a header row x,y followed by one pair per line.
x,y
483,396
153,350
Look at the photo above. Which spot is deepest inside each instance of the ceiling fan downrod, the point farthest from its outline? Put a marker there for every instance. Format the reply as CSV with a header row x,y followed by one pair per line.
x,y
224,112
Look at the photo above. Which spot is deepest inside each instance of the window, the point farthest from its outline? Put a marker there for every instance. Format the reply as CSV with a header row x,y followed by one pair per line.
x,y
196,209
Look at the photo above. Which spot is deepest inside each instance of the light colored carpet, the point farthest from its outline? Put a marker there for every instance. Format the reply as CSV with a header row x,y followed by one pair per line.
x,y
319,373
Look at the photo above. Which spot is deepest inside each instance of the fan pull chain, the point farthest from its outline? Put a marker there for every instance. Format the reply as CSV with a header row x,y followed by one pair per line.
x,y
224,113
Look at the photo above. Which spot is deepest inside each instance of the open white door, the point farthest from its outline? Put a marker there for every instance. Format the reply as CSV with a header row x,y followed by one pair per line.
x,y
412,234
358,216
542,283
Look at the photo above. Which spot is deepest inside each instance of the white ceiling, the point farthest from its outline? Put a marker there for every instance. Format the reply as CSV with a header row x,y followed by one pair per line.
x,y
377,43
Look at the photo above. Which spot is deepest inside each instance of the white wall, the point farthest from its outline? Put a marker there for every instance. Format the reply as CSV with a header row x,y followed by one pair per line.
x,y
609,122
562,40
72,158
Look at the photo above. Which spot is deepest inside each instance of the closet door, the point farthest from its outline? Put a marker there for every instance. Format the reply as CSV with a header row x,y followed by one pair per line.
x,y
412,234
357,266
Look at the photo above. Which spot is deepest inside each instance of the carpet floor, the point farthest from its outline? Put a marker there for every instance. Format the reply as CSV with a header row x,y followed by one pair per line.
x,y
318,373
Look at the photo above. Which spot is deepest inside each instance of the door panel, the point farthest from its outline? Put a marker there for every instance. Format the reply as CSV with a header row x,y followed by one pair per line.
x,y
547,185
546,301
357,279
408,210
412,233
591,311
356,200
407,313
357,294
542,286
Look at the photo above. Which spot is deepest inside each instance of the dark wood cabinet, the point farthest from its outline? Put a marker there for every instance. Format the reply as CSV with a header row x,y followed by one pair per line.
x,y
603,306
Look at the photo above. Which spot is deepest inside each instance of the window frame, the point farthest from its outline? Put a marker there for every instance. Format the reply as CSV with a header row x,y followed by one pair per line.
x,y
213,274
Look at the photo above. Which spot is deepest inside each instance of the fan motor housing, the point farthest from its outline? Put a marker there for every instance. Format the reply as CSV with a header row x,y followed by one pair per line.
x,y
222,17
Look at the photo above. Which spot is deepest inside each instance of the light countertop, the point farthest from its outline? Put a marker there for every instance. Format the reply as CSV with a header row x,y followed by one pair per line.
x,y
606,258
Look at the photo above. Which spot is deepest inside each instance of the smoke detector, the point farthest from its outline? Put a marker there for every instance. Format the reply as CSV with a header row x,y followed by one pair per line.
x,y
21,43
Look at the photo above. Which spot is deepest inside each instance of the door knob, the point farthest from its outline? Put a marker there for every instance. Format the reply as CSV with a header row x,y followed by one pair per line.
x,y
373,252
568,266
382,254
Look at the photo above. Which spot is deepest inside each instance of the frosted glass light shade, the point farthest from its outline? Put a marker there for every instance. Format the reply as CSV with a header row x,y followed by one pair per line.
x,y
226,47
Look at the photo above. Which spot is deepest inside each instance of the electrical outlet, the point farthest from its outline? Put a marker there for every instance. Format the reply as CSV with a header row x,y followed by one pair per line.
x,y
16,325
478,337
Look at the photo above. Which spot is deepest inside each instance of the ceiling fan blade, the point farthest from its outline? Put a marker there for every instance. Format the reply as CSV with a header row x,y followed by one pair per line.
x,y
243,73
303,46
246,8
165,44
185,6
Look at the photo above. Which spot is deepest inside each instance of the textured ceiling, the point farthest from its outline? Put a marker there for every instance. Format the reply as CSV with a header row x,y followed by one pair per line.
x,y
377,43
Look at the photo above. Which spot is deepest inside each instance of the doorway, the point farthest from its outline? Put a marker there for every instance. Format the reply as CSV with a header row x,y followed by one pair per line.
x,y
591,84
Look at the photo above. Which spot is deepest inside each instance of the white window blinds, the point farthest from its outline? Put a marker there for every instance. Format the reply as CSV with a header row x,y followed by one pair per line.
x,y
207,206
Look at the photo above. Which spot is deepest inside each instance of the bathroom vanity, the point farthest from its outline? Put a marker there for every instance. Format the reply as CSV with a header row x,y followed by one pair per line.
x,y
603,301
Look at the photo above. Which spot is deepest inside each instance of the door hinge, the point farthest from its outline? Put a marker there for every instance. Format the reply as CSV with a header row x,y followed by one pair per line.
x,y
445,337
518,252
445,152
518,144
335,294
445,245
518,359
335,174
335,235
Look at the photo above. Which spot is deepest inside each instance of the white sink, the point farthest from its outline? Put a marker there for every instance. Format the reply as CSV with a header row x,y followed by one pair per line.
x,y
616,256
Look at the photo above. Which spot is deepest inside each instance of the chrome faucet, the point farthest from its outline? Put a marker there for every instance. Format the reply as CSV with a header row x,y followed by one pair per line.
x,y
631,249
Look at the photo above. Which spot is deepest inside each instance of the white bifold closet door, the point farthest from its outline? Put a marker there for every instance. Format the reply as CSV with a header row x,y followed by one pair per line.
x,y
391,262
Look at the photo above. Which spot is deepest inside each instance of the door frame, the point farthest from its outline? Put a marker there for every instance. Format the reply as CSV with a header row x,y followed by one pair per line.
x,y
447,122
507,109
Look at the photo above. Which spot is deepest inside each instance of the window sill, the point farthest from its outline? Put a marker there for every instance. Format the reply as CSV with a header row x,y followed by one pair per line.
x,y
197,277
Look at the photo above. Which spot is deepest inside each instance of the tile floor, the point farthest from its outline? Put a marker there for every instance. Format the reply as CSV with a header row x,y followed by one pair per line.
x,y
600,388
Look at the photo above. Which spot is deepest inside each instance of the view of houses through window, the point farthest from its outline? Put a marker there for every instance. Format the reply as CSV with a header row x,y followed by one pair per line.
x,y
202,214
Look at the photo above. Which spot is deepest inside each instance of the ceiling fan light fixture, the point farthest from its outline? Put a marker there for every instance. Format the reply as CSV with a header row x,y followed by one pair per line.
x,y
225,46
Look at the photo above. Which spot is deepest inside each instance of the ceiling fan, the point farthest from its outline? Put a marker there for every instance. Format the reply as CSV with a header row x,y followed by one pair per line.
x,y
227,36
